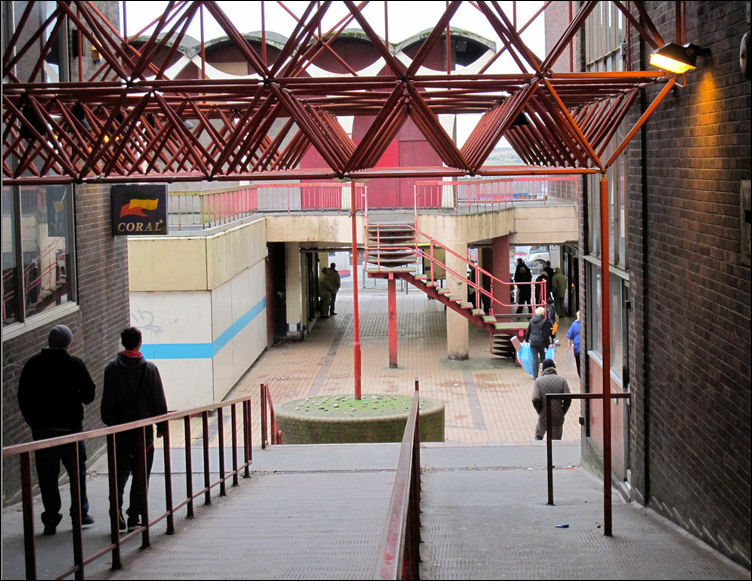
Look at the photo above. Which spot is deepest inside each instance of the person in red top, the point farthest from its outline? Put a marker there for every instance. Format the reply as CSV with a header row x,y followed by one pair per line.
x,y
132,391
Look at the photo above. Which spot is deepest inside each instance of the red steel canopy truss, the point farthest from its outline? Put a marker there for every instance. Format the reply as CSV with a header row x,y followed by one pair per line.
x,y
130,118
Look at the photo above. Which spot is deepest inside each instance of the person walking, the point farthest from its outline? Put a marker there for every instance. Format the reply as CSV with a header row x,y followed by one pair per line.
x,y
524,292
325,293
540,295
559,288
573,335
538,334
335,283
52,390
550,382
132,391
553,319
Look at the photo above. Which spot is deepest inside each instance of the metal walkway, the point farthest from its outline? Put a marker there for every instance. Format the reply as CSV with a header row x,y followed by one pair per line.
x,y
316,512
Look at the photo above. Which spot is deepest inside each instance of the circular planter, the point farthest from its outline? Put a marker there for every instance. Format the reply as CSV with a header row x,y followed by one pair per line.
x,y
336,419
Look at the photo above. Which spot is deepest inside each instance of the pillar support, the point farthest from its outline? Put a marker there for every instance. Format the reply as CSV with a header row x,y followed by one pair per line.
x,y
606,354
356,315
458,327
392,299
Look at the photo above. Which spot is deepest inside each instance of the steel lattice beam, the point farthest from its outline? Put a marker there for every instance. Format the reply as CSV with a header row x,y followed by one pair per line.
x,y
129,121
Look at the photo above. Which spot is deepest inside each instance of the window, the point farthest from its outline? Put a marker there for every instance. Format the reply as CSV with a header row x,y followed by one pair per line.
x,y
37,245
604,36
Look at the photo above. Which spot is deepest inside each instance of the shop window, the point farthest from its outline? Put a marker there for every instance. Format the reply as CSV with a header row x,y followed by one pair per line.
x,y
37,250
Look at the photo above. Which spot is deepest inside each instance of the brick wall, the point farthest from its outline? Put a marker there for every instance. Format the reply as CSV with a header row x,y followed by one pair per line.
x,y
102,287
690,335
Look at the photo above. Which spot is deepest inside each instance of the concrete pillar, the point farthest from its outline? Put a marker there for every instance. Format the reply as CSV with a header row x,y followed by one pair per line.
x,y
458,332
500,270
293,289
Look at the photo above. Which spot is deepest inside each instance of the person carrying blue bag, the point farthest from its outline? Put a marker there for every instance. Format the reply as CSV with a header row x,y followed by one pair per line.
x,y
538,334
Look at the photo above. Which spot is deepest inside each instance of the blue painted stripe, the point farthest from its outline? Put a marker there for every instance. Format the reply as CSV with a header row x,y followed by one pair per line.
x,y
203,350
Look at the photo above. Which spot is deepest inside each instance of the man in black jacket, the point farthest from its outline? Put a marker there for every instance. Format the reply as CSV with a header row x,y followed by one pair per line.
x,y
51,390
524,292
132,391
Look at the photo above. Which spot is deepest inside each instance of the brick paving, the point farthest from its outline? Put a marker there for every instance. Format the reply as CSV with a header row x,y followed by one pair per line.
x,y
487,398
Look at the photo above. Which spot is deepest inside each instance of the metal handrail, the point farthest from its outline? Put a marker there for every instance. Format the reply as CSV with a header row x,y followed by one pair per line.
x,y
399,549
24,453
477,269
267,413
548,398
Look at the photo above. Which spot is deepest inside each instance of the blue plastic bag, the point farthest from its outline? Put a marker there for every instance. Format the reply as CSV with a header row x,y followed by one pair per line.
x,y
550,352
525,356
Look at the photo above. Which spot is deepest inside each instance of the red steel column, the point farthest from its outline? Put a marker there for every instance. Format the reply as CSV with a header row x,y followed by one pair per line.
x,y
606,354
392,299
356,319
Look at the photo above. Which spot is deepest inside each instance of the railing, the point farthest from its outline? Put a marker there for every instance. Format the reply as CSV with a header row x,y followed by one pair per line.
x,y
208,209
268,415
399,556
549,397
474,281
492,194
24,453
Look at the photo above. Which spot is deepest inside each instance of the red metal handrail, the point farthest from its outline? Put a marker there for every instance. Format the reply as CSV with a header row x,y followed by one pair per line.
x,y
267,411
549,397
476,271
399,556
24,453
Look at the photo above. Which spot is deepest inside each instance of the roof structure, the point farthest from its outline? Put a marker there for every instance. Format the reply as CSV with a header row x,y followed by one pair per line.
x,y
154,108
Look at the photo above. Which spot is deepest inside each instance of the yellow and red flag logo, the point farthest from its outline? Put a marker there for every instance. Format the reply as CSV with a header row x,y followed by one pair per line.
x,y
137,207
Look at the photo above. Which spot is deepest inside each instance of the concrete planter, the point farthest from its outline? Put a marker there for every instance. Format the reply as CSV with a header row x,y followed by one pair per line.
x,y
341,419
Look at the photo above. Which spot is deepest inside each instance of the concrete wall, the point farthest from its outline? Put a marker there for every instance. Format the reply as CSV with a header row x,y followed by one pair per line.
x,y
201,305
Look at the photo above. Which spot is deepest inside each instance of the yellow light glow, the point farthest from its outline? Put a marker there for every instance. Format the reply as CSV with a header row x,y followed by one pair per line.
x,y
669,64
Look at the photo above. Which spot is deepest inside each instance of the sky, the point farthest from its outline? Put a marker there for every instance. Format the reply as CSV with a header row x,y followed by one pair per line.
x,y
404,18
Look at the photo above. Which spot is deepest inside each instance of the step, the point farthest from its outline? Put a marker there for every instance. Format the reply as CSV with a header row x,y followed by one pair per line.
x,y
478,312
466,305
392,269
515,326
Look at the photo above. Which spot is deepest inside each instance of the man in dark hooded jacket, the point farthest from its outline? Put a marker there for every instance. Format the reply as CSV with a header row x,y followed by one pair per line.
x,y
550,382
132,391
538,333
51,390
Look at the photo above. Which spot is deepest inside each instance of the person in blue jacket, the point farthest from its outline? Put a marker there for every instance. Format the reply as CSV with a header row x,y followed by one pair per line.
x,y
574,340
